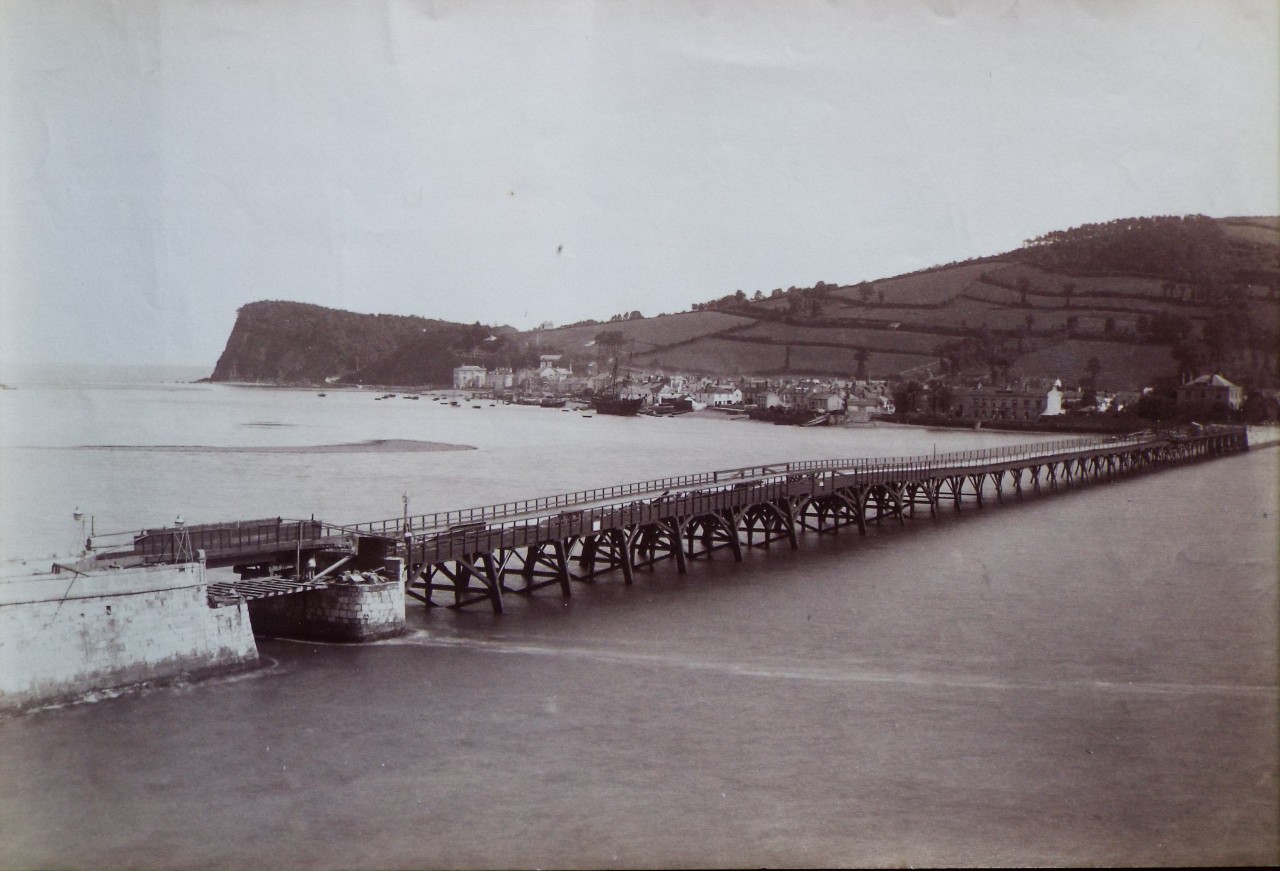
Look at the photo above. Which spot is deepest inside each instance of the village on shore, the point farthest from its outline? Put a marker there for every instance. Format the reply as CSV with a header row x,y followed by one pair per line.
x,y
1023,403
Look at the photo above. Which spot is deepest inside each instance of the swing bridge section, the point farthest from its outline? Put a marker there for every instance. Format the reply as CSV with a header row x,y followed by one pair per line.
x,y
480,555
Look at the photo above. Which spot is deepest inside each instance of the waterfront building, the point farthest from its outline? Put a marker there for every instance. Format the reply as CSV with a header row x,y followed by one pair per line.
x,y
501,378
1209,392
713,394
664,390
550,371
989,403
763,394
469,378
858,409
824,401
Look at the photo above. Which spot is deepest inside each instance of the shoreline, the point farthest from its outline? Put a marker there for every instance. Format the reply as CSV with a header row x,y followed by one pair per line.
x,y
371,446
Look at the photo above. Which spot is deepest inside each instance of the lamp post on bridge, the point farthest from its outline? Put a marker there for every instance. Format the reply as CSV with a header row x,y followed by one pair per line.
x,y
87,536
407,528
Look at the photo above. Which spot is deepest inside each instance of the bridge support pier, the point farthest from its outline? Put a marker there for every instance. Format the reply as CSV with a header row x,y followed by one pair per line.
x,y
341,611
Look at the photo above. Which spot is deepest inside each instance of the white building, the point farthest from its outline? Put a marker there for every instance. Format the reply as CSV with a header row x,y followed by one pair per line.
x,y
469,377
1053,400
501,378
718,394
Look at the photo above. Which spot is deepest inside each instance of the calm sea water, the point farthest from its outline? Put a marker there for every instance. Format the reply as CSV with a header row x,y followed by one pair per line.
x,y
1085,678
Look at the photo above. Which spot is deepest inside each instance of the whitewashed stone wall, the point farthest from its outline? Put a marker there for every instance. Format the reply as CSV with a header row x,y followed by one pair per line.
x,y
62,635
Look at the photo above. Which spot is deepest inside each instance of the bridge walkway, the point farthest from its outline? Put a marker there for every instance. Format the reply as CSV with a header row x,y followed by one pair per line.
x,y
478,553
443,522
521,547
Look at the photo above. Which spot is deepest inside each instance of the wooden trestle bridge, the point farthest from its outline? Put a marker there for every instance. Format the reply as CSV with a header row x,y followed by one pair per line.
x,y
477,555
481,554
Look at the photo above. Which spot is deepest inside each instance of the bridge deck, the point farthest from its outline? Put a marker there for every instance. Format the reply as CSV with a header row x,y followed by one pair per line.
x,y
722,497
566,517
872,468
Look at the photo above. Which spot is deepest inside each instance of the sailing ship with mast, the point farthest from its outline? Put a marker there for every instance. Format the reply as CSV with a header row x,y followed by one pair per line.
x,y
611,400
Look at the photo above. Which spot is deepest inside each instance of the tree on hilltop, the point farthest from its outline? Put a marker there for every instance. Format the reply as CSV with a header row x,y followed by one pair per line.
x,y
1094,368
1024,288
860,357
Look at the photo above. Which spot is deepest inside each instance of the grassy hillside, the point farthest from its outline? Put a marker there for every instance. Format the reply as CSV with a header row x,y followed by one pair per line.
x,y
643,333
1149,298
1144,296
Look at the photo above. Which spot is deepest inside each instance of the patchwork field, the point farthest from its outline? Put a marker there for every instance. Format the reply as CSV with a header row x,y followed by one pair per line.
x,y
1050,315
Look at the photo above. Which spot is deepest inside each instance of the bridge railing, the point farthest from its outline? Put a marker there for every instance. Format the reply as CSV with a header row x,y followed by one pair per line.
x,y
168,543
880,467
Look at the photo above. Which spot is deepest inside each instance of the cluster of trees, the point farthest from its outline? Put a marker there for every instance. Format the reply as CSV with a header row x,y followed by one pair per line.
x,y
1190,249
429,357
1229,341
868,291
934,397
808,302
738,297
801,301
980,348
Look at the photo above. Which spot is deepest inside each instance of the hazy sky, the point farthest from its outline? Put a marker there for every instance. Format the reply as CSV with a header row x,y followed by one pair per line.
x,y
162,163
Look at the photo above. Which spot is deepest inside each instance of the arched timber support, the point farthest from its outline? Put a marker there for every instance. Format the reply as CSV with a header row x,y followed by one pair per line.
x,y
770,521
541,565
707,533
612,548
461,572
657,541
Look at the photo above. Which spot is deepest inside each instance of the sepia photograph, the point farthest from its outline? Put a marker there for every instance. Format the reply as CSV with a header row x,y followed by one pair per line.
x,y
577,434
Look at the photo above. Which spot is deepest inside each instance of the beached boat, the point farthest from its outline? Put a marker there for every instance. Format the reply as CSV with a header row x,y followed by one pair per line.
x,y
618,405
612,401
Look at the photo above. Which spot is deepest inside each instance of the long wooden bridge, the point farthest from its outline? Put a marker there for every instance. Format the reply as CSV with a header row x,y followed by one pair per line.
x,y
481,554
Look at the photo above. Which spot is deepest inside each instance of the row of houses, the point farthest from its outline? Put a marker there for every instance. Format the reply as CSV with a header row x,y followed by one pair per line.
x,y
1028,400
553,377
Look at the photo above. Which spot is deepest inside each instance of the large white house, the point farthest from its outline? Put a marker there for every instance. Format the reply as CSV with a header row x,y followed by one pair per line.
x,y
1209,392
718,394
469,378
